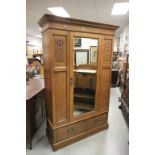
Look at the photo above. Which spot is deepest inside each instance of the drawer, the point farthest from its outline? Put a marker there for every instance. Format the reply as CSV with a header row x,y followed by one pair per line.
x,y
95,122
80,127
69,131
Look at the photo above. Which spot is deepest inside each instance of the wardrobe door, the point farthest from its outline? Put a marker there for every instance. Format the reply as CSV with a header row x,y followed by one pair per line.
x,y
104,74
84,65
60,76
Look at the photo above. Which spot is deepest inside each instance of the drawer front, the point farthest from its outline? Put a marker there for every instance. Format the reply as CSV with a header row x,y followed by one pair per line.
x,y
80,127
97,121
69,131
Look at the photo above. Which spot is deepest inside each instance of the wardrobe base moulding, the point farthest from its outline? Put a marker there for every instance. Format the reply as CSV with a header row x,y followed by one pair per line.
x,y
55,136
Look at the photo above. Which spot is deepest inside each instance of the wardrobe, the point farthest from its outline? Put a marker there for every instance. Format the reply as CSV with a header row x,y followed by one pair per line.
x,y
77,69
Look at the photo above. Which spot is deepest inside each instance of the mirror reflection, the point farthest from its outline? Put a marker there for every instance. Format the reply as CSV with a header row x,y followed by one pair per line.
x,y
85,68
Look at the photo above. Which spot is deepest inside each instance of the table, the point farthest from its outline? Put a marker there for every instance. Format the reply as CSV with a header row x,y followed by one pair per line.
x,y
34,87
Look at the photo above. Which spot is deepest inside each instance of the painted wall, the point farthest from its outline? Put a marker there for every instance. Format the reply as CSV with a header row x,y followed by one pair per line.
x,y
115,44
124,38
34,45
87,42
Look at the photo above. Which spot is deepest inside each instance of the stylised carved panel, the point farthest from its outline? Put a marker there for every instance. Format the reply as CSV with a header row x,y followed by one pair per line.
x,y
59,50
107,50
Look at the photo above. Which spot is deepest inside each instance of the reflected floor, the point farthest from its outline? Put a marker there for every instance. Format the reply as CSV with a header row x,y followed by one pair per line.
x,y
78,112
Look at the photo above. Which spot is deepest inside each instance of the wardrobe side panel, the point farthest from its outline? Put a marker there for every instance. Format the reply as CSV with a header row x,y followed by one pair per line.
x,y
47,73
104,74
60,69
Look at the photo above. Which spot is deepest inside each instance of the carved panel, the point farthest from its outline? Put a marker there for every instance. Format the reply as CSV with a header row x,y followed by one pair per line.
x,y
59,50
107,50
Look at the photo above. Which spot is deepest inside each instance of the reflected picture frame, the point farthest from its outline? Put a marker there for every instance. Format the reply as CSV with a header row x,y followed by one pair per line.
x,y
93,54
81,52
77,42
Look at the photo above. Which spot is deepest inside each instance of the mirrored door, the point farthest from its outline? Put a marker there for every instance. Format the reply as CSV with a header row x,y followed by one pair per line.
x,y
85,55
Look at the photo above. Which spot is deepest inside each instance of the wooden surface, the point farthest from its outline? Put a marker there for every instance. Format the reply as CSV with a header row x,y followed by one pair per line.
x,y
76,132
80,127
125,92
33,86
55,19
60,76
76,25
63,127
46,39
30,120
104,76
85,80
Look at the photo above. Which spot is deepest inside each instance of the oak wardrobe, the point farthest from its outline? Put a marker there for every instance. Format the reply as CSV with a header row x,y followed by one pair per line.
x,y
77,68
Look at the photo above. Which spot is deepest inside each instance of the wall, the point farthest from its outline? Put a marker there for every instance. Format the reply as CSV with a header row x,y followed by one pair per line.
x,y
115,44
86,43
124,38
34,46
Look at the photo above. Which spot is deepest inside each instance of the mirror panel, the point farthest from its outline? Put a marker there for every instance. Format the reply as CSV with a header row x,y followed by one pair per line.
x,y
85,73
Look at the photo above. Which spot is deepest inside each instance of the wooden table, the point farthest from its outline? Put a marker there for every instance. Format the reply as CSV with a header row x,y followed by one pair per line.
x,y
33,88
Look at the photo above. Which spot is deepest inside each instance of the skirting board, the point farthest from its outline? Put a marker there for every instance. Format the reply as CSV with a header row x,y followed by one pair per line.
x,y
76,138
